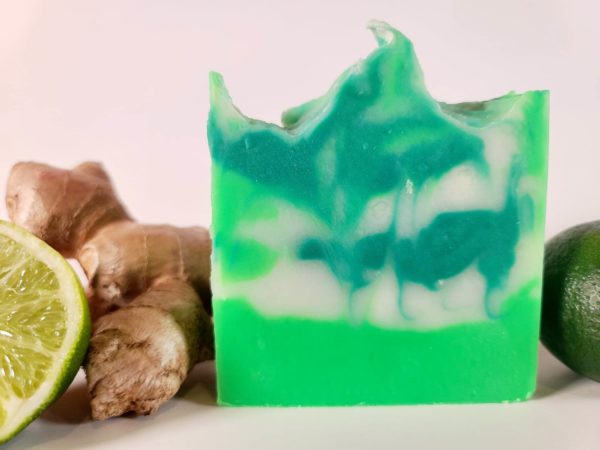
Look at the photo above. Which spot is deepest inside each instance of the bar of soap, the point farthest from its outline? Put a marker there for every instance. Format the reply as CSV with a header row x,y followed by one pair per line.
x,y
379,247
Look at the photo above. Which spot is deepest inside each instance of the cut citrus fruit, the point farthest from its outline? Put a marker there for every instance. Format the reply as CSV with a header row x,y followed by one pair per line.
x,y
44,327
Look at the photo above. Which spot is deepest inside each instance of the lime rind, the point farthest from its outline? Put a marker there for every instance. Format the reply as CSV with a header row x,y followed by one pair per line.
x,y
58,356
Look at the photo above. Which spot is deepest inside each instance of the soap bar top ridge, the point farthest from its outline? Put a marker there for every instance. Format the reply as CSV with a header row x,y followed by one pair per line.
x,y
418,214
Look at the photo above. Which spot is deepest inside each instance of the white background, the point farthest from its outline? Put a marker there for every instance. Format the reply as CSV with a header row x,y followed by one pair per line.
x,y
125,82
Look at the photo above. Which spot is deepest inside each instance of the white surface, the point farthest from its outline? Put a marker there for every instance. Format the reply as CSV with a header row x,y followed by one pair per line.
x,y
562,416
125,82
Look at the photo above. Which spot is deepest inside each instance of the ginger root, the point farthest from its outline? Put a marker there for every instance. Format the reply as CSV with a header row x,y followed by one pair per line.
x,y
62,207
149,288
140,354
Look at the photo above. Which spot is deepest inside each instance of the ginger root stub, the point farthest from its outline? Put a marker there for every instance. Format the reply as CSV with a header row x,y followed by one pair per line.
x,y
149,285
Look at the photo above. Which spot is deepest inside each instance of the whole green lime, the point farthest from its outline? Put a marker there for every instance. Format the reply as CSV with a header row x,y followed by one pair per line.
x,y
571,298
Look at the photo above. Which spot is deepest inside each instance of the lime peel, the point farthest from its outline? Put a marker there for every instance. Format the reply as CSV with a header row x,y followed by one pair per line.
x,y
571,298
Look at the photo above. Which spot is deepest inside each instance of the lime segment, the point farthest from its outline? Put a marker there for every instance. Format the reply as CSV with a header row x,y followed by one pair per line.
x,y
44,327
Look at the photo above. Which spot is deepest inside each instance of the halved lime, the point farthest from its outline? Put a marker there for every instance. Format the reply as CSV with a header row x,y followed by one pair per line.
x,y
44,327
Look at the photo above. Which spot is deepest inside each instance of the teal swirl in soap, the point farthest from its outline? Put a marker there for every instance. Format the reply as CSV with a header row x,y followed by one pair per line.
x,y
377,132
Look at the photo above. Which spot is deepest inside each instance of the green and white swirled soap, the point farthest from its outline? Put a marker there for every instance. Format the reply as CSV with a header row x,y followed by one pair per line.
x,y
379,247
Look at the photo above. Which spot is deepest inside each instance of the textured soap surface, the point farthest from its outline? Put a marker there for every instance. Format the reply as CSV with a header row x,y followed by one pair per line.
x,y
379,247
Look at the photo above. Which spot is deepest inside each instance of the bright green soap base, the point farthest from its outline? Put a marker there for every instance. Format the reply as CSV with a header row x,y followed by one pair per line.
x,y
379,247
293,361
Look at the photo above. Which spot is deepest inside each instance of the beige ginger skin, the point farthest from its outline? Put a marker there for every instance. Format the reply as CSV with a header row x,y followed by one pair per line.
x,y
149,285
